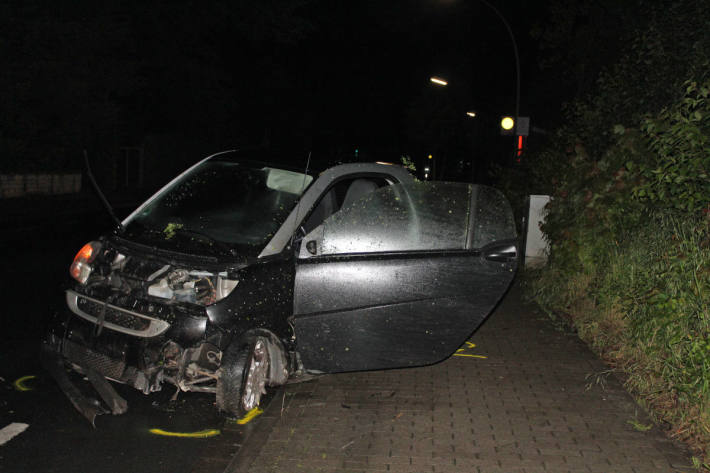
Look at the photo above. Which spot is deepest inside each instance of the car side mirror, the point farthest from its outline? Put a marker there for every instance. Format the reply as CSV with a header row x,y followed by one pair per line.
x,y
312,243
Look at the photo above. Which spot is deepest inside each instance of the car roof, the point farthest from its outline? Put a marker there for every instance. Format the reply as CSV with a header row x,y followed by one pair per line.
x,y
316,162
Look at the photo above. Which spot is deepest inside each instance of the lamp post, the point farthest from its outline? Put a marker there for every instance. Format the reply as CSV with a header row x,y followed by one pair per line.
x,y
516,117
515,52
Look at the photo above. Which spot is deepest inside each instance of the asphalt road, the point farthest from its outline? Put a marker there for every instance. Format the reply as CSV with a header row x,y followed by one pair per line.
x,y
59,439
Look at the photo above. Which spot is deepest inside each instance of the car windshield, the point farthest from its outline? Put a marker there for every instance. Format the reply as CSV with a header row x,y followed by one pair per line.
x,y
219,207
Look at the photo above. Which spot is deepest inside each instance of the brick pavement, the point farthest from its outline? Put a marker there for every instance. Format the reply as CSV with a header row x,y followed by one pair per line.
x,y
538,402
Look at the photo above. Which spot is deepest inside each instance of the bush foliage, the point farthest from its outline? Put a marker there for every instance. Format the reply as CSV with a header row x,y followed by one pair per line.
x,y
629,222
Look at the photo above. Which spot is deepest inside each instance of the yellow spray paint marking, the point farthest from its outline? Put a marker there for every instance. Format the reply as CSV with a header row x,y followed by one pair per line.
x,y
469,345
19,383
196,435
249,416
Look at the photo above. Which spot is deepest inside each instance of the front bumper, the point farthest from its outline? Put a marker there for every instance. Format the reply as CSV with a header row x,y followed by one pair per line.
x,y
115,339
114,317
88,407
111,354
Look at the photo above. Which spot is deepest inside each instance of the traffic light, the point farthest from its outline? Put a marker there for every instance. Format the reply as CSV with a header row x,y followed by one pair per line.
x,y
522,128
520,146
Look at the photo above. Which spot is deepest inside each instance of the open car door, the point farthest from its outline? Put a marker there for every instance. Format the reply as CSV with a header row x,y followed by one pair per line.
x,y
402,276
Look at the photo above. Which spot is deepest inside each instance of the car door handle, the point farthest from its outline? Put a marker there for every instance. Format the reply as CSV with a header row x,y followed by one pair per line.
x,y
501,253
312,247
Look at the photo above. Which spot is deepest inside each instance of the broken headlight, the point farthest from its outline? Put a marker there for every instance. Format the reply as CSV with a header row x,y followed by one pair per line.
x,y
81,268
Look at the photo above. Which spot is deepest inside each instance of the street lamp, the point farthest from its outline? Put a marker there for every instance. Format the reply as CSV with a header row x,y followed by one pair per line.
x,y
516,117
507,123
515,52
471,114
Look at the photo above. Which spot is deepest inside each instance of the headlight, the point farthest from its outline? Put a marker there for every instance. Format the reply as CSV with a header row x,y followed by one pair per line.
x,y
81,268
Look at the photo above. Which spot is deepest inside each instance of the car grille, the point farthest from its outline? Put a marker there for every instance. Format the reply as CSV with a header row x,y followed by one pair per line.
x,y
115,318
87,358
112,315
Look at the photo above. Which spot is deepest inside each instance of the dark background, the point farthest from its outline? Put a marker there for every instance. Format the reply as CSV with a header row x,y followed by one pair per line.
x,y
148,88
158,85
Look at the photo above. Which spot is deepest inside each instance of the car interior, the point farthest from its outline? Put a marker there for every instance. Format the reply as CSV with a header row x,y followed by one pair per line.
x,y
341,195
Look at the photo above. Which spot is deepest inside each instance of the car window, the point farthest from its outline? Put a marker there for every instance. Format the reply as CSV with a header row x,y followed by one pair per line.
x,y
219,206
342,194
400,217
493,219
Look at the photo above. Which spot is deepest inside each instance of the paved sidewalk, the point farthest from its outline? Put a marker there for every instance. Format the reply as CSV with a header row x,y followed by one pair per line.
x,y
521,397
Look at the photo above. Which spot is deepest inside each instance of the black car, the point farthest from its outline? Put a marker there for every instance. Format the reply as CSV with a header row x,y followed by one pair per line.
x,y
239,274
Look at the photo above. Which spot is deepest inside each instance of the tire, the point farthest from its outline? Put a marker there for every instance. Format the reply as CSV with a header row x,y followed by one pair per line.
x,y
244,375
256,376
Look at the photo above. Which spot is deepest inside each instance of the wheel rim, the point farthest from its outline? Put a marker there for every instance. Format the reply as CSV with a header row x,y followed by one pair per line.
x,y
255,383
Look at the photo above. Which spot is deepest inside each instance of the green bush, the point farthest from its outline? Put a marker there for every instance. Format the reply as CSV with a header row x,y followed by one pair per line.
x,y
630,258
629,221
676,173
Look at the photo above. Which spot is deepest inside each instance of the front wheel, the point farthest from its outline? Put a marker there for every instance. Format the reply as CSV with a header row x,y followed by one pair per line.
x,y
243,376
256,376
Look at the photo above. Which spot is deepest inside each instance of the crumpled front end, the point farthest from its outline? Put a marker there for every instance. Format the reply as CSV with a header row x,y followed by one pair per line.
x,y
143,322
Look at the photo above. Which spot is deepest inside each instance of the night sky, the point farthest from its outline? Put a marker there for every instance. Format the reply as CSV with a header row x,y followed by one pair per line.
x,y
183,79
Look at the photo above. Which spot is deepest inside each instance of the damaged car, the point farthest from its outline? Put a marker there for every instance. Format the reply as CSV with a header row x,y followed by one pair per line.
x,y
241,274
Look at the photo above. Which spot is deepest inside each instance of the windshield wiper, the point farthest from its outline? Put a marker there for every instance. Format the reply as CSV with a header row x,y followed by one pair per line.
x,y
192,235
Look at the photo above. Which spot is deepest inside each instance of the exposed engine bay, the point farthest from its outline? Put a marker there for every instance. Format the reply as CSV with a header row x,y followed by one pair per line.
x,y
141,276
144,321
196,287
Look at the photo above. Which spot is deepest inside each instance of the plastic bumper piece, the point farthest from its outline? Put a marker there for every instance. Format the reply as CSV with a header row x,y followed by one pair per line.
x,y
89,408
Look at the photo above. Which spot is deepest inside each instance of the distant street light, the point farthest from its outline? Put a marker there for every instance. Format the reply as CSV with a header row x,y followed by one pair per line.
x,y
470,114
507,123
